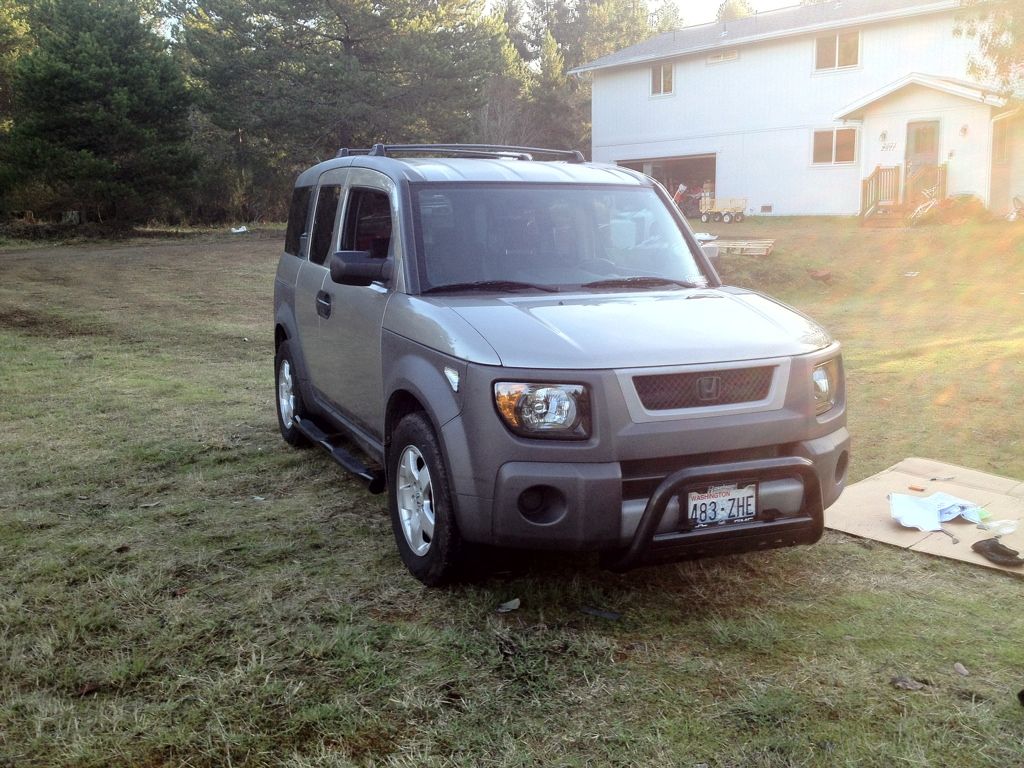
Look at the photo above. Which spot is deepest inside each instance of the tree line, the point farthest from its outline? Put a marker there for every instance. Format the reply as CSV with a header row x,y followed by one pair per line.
x,y
204,110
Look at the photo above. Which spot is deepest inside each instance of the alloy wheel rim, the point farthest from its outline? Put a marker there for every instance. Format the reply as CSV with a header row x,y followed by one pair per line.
x,y
286,393
415,501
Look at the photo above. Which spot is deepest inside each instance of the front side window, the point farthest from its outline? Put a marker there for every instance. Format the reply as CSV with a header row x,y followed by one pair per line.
x,y
297,212
836,51
323,222
368,223
549,237
661,79
836,145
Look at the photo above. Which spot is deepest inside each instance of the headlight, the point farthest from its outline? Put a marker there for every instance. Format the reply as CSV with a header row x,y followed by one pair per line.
x,y
825,383
544,410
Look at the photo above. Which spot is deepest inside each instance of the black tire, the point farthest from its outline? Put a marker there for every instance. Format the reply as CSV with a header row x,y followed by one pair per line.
x,y
441,552
727,218
716,216
284,368
738,218
705,218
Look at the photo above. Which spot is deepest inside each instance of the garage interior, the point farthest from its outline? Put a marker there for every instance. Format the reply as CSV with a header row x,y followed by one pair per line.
x,y
692,170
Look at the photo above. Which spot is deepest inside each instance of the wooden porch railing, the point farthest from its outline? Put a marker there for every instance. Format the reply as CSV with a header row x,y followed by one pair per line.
x,y
881,187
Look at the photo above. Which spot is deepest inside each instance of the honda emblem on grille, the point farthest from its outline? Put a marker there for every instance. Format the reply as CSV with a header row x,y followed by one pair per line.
x,y
709,388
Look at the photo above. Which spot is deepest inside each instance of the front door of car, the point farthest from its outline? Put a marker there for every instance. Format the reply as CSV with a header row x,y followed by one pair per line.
x,y
350,338
310,306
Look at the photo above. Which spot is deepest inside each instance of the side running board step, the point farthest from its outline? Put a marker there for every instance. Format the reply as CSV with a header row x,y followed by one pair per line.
x,y
373,477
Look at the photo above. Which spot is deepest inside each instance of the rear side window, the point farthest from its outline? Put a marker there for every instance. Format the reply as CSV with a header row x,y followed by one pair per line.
x,y
297,220
323,224
368,223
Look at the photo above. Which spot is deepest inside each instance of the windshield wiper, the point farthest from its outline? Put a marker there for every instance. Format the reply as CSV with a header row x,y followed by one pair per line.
x,y
639,281
491,285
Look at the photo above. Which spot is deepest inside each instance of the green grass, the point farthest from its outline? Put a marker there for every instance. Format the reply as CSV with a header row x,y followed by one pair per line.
x,y
177,587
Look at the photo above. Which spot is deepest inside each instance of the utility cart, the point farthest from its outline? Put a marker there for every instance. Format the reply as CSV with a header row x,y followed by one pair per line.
x,y
724,209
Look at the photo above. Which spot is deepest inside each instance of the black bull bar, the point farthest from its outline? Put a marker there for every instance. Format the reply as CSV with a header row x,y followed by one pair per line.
x,y
689,542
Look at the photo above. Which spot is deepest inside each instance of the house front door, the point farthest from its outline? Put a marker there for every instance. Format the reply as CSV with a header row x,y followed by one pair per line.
x,y
922,157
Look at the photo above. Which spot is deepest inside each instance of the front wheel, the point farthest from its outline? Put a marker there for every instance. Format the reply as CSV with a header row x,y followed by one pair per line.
x,y
419,498
705,218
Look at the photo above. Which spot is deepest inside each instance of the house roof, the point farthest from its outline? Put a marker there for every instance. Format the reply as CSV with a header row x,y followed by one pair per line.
x,y
770,25
962,88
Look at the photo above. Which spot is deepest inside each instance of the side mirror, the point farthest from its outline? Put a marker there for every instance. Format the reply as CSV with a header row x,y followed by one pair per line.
x,y
359,268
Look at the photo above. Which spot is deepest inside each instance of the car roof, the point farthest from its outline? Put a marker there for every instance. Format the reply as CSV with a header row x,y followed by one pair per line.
x,y
463,169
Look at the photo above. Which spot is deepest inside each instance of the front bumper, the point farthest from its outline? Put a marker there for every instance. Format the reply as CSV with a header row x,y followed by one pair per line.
x,y
686,542
581,506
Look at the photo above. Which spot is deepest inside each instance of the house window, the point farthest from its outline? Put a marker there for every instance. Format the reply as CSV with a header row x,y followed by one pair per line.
x,y
837,51
661,79
836,145
999,141
718,58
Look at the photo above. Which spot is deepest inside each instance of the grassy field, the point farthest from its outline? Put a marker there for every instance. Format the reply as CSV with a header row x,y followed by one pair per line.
x,y
177,587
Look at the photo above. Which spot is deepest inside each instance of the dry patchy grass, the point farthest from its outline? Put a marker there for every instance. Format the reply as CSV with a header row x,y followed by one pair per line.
x,y
179,588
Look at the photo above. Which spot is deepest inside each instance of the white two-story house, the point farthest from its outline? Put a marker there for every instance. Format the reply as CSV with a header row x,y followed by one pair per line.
x,y
824,109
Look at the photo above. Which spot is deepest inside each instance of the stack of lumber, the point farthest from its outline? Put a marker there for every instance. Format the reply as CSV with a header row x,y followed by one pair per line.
x,y
745,247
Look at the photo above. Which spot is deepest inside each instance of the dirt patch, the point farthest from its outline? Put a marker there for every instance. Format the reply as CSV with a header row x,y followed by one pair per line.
x,y
45,326
23,230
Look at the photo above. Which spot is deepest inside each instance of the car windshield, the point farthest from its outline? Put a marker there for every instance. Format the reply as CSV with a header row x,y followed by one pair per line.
x,y
557,237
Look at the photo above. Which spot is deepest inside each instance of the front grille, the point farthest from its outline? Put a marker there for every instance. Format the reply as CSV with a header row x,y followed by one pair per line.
x,y
701,389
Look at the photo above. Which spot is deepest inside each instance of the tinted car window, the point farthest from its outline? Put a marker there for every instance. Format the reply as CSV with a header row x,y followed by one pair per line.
x,y
297,220
368,223
323,226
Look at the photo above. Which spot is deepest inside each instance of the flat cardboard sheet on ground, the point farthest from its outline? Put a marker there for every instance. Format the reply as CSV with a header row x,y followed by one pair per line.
x,y
863,509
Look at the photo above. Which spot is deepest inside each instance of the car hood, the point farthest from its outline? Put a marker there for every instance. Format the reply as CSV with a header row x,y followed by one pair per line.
x,y
632,330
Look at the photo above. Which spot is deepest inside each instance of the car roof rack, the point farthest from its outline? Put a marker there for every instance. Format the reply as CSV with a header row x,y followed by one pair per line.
x,y
496,151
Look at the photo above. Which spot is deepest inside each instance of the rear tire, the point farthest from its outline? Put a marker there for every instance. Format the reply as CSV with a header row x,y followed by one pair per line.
x,y
738,218
727,218
289,398
419,499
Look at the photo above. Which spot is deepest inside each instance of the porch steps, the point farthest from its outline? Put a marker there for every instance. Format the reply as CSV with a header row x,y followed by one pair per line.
x,y
887,216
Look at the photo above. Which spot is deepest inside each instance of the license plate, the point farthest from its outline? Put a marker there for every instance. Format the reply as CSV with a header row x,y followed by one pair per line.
x,y
722,504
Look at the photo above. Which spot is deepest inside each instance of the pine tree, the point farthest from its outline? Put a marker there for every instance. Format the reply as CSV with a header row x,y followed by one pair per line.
x,y
504,117
299,80
554,108
14,42
100,111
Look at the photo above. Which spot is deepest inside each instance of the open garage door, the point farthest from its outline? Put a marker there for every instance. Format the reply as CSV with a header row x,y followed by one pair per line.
x,y
697,172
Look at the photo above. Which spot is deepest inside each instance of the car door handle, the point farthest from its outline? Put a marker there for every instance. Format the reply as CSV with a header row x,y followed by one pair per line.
x,y
323,304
